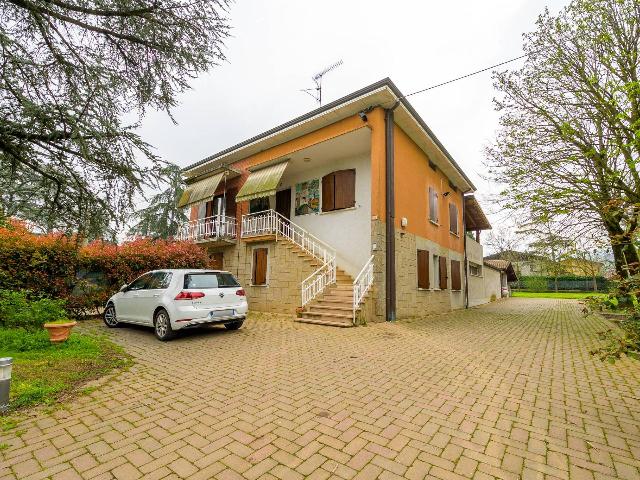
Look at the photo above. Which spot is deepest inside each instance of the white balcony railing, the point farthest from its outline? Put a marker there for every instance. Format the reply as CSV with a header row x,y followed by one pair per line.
x,y
217,227
362,284
270,222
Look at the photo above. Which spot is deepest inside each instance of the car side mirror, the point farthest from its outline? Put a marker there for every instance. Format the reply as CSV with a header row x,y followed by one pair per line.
x,y
124,287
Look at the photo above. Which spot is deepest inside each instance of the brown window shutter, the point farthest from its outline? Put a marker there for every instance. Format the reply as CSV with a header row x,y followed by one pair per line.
x,y
456,280
453,218
345,188
209,209
423,269
260,266
443,273
328,197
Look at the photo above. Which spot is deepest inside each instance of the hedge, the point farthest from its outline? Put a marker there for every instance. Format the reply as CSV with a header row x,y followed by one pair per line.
x,y
54,266
536,283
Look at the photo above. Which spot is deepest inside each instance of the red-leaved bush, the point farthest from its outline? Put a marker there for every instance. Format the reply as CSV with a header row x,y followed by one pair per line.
x,y
44,264
52,265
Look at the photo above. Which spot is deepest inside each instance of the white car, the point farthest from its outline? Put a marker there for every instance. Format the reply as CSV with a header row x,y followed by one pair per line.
x,y
171,300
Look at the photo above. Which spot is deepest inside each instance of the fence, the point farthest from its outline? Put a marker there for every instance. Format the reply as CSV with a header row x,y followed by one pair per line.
x,y
564,284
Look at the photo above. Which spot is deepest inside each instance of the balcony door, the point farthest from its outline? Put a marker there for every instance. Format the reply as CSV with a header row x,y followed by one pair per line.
x,y
283,203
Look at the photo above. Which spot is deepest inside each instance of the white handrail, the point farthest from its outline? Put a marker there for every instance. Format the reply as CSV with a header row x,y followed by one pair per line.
x,y
361,284
270,222
210,228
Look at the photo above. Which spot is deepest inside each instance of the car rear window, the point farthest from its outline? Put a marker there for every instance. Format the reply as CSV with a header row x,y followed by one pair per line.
x,y
210,280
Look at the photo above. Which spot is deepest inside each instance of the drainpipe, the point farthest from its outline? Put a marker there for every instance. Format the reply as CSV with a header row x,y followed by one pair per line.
x,y
390,215
466,265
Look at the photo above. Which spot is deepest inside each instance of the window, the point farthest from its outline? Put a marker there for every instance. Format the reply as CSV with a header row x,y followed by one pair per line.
x,y
456,278
259,272
160,280
339,190
140,283
475,269
453,219
423,269
210,280
259,205
433,205
442,274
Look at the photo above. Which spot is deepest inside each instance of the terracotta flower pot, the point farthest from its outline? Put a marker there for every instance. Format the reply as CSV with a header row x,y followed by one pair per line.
x,y
59,332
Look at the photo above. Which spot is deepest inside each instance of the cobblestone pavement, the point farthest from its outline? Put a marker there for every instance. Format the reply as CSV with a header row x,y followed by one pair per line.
x,y
507,390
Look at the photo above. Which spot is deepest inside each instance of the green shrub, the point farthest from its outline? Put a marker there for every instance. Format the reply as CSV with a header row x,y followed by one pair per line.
x,y
535,284
19,340
18,310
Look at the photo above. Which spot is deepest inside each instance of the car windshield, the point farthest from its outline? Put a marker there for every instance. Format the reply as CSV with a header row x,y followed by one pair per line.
x,y
210,280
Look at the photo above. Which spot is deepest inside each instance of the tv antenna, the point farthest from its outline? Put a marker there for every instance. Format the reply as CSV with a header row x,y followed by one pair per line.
x,y
316,92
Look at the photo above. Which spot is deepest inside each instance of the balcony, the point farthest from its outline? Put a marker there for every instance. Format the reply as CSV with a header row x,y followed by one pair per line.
x,y
259,226
217,229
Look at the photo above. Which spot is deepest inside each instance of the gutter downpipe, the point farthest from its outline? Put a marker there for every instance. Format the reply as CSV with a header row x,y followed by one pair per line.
x,y
466,260
390,216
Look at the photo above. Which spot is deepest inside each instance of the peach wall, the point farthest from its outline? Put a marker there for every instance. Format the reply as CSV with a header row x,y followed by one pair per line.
x,y
413,176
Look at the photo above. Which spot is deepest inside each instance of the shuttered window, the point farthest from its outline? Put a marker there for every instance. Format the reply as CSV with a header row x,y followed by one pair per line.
x,y
453,219
456,278
339,190
259,276
433,205
423,269
443,273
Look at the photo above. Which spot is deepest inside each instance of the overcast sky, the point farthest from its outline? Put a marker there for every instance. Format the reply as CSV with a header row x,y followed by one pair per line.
x,y
278,45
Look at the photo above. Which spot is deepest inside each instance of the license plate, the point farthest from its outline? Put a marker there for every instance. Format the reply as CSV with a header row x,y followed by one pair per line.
x,y
221,313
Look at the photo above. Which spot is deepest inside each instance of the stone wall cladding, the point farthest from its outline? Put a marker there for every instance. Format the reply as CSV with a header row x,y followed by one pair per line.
x,y
410,301
285,272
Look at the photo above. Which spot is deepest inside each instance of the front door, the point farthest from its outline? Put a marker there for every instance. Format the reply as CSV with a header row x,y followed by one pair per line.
x,y
283,203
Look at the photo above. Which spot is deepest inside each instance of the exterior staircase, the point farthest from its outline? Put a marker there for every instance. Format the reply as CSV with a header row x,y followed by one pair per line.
x,y
334,306
329,295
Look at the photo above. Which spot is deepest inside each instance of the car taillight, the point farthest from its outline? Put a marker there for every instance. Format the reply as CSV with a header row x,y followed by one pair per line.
x,y
241,293
189,295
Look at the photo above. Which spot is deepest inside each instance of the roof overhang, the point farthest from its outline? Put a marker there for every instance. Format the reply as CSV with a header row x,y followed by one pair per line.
x,y
383,93
474,217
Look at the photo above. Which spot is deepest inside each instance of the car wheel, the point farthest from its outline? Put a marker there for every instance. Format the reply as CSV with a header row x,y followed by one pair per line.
x,y
110,318
233,325
162,326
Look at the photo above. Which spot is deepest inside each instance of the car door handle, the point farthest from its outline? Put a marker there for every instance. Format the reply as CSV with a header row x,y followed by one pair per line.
x,y
156,294
136,294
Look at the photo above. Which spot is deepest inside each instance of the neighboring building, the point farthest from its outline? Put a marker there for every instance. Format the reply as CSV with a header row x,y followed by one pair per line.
x,y
354,210
528,264
507,274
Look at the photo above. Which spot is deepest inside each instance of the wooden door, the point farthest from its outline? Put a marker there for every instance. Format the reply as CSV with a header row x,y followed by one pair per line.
x,y
283,203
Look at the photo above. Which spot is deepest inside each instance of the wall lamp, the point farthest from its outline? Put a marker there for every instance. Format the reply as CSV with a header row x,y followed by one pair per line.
x,y
363,116
446,194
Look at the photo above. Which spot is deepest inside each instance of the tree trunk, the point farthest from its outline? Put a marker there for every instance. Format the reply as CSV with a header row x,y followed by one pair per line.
x,y
625,253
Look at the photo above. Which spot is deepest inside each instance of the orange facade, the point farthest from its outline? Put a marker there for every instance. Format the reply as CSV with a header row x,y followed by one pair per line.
x,y
413,176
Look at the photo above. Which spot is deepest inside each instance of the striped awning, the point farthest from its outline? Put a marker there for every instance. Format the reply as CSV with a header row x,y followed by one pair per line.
x,y
262,183
200,191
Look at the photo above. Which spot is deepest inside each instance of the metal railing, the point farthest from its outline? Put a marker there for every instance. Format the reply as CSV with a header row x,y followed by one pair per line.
x,y
270,222
362,284
208,228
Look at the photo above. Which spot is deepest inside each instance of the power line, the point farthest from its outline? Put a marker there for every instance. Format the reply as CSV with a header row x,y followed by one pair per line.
x,y
464,76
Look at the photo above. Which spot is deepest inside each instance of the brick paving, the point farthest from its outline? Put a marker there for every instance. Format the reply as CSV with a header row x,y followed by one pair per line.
x,y
503,391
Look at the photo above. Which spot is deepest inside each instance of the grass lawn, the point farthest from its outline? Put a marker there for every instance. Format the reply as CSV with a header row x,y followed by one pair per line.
x,y
44,372
567,295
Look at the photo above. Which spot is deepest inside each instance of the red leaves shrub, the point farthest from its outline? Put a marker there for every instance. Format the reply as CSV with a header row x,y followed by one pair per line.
x,y
49,264
44,264
123,263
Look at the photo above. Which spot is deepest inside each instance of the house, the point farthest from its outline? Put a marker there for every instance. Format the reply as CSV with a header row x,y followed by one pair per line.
x,y
529,264
353,211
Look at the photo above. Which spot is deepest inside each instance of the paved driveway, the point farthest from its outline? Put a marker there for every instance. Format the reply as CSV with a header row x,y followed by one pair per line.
x,y
506,390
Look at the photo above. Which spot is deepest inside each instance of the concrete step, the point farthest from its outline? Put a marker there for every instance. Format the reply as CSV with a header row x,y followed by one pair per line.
x,y
335,302
327,322
341,309
324,314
